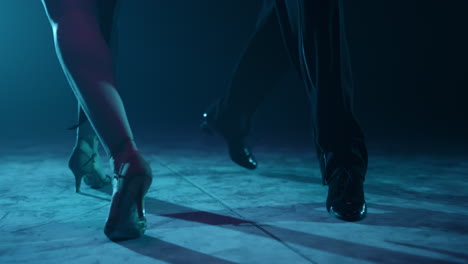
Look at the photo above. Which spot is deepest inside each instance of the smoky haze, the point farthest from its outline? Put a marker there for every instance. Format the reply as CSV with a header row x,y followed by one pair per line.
x,y
176,57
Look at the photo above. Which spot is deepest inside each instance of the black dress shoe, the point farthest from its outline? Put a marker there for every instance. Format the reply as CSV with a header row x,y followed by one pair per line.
x,y
239,152
345,199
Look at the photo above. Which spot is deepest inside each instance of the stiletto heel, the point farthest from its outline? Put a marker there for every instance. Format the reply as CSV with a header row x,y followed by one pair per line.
x,y
84,165
127,214
78,177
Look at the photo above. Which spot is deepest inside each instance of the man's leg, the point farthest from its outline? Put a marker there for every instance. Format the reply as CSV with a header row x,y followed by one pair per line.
x,y
261,67
314,34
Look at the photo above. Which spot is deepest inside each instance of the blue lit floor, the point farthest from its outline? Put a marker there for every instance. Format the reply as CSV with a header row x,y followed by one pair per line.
x,y
203,209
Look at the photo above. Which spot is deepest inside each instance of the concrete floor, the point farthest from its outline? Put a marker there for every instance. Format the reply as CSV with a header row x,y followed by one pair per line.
x,y
204,209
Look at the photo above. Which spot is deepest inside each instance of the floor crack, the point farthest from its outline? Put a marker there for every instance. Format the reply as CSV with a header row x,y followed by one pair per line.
x,y
256,225
59,220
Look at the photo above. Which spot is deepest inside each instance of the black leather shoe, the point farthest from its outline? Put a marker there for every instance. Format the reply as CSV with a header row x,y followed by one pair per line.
x,y
345,199
239,152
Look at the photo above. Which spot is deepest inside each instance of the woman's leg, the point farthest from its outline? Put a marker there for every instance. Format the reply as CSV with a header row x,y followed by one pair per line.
x,y
88,64
106,17
85,161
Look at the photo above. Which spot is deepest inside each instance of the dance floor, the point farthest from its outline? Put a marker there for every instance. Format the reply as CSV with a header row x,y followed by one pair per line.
x,y
202,208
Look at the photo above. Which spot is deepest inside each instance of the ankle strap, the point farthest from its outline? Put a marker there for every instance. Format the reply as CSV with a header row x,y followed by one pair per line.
x,y
81,121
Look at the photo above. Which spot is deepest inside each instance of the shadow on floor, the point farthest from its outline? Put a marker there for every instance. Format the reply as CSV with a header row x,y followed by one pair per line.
x,y
171,253
395,216
158,249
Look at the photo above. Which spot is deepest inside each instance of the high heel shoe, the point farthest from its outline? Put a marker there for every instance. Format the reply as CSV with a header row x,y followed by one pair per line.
x,y
85,165
127,214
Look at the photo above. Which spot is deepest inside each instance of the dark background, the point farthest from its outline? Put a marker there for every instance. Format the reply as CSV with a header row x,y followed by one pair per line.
x,y
176,56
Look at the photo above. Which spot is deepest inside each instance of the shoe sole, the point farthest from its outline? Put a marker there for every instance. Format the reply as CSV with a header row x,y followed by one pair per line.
x,y
130,222
353,218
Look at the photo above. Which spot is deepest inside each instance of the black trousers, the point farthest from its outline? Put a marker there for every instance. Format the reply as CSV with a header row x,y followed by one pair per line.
x,y
312,33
